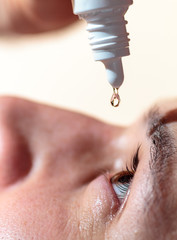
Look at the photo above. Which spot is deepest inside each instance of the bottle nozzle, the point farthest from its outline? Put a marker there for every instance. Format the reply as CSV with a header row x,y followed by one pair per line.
x,y
114,70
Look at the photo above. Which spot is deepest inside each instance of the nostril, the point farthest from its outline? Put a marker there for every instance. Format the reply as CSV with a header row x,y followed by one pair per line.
x,y
15,157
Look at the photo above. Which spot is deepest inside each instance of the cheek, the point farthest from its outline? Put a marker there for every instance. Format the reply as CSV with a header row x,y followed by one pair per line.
x,y
98,206
32,214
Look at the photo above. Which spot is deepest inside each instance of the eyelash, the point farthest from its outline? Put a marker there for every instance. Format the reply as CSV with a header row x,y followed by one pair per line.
x,y
121,182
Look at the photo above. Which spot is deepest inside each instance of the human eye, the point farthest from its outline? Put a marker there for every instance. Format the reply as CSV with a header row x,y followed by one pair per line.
x,y
121,181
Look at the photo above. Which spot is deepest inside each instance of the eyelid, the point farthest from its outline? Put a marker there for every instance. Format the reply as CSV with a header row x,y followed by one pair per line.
x,y
119,175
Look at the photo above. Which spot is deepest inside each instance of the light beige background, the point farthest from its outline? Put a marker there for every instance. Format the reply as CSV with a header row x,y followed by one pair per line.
x,y
58,68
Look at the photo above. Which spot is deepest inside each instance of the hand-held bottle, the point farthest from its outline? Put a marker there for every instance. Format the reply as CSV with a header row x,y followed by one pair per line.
x,y
107,33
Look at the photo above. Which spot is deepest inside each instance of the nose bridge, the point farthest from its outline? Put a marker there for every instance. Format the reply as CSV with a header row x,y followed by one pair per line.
x,y
62,139
7,107
13,109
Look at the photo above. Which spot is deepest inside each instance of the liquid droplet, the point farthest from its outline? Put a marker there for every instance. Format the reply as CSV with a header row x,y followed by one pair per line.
x,y
115,99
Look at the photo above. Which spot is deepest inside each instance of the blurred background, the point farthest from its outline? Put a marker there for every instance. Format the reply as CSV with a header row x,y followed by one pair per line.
x,y
58,68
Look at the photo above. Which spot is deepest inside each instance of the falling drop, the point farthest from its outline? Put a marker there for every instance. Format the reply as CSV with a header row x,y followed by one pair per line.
x,y
115,99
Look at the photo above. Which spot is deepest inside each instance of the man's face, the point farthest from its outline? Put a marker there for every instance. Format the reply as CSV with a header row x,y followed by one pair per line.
x,y
68,176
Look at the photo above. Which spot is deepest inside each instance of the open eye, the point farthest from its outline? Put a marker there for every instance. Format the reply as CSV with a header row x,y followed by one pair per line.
x,y
121,183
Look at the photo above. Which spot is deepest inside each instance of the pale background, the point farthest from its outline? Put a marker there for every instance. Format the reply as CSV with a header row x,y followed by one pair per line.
x,y
58,68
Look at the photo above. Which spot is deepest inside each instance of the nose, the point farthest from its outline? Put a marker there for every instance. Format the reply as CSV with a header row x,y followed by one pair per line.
x,y
57,140
15,156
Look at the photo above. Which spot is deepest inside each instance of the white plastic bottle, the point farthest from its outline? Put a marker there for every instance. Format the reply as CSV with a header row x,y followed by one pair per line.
x,y
107,33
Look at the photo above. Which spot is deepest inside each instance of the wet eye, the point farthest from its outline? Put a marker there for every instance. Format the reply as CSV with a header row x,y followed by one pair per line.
x,y
121,183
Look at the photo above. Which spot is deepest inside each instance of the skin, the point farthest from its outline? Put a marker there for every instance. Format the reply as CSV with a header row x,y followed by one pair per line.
x,y
55,175
56,165
35,16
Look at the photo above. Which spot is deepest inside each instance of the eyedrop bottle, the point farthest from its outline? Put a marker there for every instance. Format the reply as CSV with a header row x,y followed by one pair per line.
x,y
108,36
